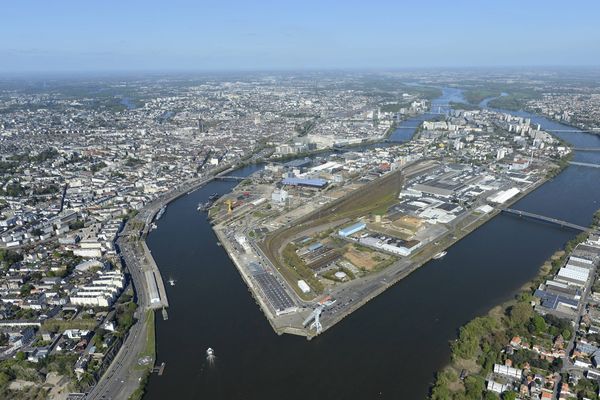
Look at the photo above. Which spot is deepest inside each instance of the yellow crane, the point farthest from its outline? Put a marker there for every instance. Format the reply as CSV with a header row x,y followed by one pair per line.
x,y
229,203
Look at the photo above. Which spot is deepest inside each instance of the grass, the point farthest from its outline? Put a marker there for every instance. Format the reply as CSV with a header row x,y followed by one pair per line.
x,y
150,349
297,270
79,323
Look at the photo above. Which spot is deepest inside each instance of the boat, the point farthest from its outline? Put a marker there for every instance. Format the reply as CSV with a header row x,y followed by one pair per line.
x,y
213,196
440,255
210,352
204,206
160,212
171,281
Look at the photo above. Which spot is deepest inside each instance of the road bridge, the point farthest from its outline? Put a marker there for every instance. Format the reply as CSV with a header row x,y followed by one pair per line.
x,y
586,148
592,130
584,164
546,219
230,178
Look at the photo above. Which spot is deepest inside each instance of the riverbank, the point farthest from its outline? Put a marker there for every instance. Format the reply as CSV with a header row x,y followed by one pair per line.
x,y
480,341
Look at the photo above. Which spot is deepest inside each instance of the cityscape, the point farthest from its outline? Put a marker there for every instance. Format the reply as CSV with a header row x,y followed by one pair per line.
x,y
171,226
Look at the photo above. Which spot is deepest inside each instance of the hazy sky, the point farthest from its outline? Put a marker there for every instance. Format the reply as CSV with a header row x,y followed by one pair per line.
x,y
85,35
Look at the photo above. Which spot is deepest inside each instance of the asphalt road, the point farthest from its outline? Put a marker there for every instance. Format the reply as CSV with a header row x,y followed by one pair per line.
x,y
122,378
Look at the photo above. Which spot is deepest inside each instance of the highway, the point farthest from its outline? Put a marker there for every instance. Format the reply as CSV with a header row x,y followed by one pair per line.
x,y
122,378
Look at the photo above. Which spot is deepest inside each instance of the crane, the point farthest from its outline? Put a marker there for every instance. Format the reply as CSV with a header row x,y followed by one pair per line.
x,y
315,316
229,203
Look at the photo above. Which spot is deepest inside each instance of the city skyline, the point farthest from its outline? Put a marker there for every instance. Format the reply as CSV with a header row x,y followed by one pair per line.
x,y
136,36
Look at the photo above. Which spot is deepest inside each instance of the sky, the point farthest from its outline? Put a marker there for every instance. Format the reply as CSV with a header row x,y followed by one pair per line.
x,y
132,35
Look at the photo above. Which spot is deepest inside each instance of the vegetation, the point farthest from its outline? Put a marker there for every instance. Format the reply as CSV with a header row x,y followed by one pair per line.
x,y
293,262
13,189
561,165
134,162
304,128
54,325
480,342
463,106
9,257
77,224
477,95
138,394
98,166
124,316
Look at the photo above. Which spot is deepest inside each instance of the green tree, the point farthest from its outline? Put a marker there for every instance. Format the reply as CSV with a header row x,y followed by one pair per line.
x,y
490,396
520,314
509,395
539,324
474,387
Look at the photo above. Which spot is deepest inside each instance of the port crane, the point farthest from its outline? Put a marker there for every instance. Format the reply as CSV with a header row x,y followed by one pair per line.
x,y
229,203
315,316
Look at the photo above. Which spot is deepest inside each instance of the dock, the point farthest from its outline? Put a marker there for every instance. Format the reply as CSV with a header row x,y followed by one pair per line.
x,y
160,370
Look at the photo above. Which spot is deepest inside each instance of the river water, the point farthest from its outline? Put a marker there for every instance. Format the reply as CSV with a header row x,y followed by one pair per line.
x,y
388,349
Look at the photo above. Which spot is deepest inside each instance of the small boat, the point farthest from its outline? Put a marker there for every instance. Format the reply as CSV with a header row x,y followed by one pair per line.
x,y
171,281
160,212
440,255
204,206
210,352
213,196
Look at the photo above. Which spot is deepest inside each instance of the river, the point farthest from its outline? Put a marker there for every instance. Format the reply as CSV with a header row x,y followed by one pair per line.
x,y
388,349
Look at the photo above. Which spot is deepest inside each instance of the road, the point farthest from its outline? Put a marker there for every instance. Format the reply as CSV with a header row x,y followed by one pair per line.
x,y
122,378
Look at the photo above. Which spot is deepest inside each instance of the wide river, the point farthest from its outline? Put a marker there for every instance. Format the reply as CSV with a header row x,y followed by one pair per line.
x,y
391,347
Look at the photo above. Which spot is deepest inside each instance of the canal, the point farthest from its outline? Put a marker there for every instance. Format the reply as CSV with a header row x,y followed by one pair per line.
x,y
388,349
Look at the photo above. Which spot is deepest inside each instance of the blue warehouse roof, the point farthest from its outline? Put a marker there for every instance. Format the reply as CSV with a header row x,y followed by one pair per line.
x,y
304,182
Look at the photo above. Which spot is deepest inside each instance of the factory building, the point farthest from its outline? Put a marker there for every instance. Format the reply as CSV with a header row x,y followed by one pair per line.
x,y
314,183
352,229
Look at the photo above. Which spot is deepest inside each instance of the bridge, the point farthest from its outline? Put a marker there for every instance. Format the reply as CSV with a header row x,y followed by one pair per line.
x,y
592,130
584,164
586,148
230,178
546,219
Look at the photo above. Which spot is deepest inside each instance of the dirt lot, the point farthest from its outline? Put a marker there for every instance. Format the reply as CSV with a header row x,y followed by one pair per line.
x,y
367,260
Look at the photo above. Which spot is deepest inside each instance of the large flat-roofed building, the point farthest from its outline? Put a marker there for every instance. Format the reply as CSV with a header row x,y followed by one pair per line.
x,y
349,230
316,183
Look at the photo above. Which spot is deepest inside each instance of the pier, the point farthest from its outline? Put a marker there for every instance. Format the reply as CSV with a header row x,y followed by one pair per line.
x,y
546,219
160,370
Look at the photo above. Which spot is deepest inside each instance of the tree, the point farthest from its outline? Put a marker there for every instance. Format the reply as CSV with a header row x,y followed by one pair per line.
x,y
490,396
20,356
509,395
474,387
520,314
539,324
26,289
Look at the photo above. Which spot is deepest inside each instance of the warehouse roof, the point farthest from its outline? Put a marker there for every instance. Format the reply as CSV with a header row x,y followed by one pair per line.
x,y
304,182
